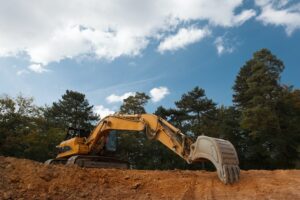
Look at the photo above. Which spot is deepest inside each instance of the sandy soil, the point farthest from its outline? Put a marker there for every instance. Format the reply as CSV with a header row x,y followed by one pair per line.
x,y
25,179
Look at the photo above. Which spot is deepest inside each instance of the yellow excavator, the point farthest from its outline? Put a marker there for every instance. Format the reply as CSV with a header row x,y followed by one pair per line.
x,y
87,150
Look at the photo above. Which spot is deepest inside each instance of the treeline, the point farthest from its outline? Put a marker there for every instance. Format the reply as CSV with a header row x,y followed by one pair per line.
x,y
263,123
29,131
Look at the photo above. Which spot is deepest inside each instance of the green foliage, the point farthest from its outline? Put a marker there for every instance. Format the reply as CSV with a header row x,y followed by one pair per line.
x,y
73,110
24,131
261,101
288,142
135,104
33,132
258,80
200,112
228,124
176,117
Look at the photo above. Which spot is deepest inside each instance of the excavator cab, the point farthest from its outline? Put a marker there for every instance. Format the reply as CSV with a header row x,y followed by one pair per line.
x,y
76,132
111,142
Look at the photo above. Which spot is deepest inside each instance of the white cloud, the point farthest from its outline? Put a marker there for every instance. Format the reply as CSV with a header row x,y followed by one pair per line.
x,y
182,38
219,45
243,17
223,45
102,111
22,72
280,13
49,31
113,98
159,93
37,68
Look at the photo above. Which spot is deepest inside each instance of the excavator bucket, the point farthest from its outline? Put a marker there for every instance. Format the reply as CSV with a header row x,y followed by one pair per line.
x,y
221,153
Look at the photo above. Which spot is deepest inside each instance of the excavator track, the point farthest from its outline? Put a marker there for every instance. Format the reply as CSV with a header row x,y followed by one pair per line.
x,y
221,153
56,161
97,162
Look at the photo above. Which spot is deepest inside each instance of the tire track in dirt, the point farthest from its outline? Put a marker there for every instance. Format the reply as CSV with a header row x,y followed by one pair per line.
x,y
189,193
205,190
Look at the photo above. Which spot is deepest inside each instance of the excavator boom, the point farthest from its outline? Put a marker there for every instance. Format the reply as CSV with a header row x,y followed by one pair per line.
x,y
220,152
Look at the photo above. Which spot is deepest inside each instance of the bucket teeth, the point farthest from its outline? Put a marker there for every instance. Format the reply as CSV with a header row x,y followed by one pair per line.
x,y
231,174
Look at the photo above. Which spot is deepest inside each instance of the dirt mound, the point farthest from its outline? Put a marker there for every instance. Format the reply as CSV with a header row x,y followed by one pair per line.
x,y
25,179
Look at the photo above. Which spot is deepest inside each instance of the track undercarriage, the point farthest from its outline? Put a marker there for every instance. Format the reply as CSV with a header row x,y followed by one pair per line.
x,y
88,161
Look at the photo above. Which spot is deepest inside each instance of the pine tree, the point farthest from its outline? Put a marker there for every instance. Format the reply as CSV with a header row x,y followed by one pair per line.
x,y
199,110
258,94
135,104
72,110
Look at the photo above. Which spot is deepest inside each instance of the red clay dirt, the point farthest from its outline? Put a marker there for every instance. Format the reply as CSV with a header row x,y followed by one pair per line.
x,y
25,179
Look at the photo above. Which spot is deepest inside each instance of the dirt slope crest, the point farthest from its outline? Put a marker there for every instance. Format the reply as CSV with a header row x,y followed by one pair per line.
x,y
25,179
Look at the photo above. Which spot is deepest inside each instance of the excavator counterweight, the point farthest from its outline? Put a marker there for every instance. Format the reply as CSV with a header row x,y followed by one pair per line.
x,y
86,151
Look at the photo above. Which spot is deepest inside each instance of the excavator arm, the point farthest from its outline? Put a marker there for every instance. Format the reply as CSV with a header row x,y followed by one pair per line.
x,y
220,152
153,126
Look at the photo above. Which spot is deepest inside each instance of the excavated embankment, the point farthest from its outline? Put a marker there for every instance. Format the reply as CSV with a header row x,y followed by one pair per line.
x,y
25,179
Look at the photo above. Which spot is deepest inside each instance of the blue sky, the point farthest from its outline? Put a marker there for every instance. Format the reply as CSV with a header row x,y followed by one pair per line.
x,y
109,50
